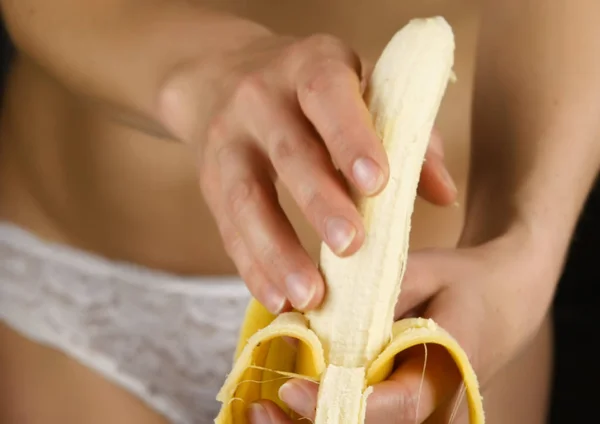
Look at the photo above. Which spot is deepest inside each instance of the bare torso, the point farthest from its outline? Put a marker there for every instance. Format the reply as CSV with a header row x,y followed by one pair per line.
x,y
69,174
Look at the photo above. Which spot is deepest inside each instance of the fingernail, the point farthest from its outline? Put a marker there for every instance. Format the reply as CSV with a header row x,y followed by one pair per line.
x,y
368,175
300,290
340,233
257,414
447,179
274,299
296,397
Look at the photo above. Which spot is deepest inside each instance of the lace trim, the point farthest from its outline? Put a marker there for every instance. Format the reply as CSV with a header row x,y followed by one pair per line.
x,y
169,340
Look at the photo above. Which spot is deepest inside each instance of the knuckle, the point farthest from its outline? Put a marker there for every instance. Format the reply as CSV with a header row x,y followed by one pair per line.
x,y
311,201
214,148
270,255
252,88
340,138
286,145
207,180
217,130
232,242
283,147
324,75
327,61
251,273
242,194
293,54
326,43
308,49
225,155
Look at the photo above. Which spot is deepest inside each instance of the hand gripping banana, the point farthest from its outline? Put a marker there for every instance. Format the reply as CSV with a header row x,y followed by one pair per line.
x,y
350,342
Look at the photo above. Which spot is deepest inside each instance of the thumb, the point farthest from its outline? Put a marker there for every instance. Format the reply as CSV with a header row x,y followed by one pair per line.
x,y
426,376
300,396
425,379
428,272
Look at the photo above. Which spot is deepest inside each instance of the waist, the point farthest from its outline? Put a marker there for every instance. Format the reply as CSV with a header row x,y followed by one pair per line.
x,y
166,233
70,175
154,219
166,339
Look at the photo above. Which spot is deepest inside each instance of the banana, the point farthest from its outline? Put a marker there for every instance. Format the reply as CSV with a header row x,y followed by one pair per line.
x,y
350,342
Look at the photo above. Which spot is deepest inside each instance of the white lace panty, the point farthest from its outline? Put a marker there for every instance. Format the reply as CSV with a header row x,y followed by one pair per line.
x,y
166,339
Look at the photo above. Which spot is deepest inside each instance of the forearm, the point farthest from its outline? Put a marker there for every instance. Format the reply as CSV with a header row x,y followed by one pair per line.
x,y
121,53
536,118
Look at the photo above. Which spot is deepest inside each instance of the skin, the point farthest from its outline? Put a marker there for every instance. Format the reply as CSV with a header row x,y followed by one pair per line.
x,y
495,289
140,119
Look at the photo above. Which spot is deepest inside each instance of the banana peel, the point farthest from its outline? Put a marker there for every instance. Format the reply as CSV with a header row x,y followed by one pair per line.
x,y
264,361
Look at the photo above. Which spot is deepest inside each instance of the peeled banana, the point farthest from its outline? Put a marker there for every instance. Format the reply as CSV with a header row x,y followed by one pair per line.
x,y
349,343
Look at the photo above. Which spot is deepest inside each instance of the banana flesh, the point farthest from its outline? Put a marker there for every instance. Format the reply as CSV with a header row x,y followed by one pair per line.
x,y
350,342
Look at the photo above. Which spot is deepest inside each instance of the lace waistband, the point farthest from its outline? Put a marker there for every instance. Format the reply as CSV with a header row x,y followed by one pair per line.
x,y
167,339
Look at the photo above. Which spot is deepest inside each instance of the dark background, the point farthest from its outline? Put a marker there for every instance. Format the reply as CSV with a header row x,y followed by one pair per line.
x,y
6,52
576,323
577,370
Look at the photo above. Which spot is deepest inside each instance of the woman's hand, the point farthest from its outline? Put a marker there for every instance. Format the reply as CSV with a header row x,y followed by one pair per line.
x,y
492,298
291,110
257,106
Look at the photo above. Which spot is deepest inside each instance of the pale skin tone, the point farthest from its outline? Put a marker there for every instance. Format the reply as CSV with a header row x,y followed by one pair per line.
x,y
149,120
497,277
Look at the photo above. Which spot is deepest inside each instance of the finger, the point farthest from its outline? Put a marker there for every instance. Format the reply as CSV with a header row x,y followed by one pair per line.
x,y
300,396
429,272
302,164
255,279
266,412
420,282
251,204
461,313
436,184
463,317
259,285
422,382
442,272
329,92
425,378
366,72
